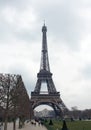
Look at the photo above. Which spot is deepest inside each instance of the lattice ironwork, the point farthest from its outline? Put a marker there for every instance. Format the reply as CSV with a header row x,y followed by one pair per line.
x,y
52,98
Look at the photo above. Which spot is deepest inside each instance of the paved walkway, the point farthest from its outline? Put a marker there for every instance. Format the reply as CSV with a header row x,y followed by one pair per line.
x,y
28,126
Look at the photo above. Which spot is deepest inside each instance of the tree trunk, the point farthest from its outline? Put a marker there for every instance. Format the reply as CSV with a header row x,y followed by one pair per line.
x,y
20,125
5,124
14,124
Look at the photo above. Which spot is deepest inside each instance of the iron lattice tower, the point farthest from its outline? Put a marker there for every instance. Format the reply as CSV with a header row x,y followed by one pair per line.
x,y
52,98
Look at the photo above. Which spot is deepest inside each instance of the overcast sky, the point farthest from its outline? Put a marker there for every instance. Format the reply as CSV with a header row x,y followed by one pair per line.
x,y
69,44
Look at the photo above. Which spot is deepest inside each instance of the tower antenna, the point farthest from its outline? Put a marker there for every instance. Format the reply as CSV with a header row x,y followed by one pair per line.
x,y
44,22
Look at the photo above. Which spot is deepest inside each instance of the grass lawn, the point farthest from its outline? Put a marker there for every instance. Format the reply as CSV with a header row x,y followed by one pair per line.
x,y
75,125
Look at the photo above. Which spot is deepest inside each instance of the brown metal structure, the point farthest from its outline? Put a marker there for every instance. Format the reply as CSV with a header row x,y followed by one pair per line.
x,y
52,97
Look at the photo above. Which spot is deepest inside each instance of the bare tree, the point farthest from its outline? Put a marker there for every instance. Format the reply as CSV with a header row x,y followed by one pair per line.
x,y
20,101
24,102
5,99
13,98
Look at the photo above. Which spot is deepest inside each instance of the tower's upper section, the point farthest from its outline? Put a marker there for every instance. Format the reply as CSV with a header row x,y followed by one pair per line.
x,y
44,28
44,53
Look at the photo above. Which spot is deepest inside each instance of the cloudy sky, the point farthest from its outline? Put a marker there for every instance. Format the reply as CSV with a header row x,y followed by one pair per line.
x,y
69,44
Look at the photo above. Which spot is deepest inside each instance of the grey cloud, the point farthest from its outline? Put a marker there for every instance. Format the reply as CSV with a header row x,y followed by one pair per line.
x,y
27,35
63,21
8,32
86,71
64,24
5,32
19,4
11,29
26,76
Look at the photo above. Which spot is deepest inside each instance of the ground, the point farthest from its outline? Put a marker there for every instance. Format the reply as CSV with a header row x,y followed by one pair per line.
x,y
28,126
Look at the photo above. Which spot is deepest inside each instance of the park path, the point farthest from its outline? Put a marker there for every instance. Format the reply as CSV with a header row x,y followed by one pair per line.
x,y
28,126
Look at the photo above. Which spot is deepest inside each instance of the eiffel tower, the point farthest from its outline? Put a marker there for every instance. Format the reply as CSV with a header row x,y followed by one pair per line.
x,y
52,97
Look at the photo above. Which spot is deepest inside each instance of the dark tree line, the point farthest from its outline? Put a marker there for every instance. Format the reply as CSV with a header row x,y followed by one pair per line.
x,y
73,114
80,114
14,100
